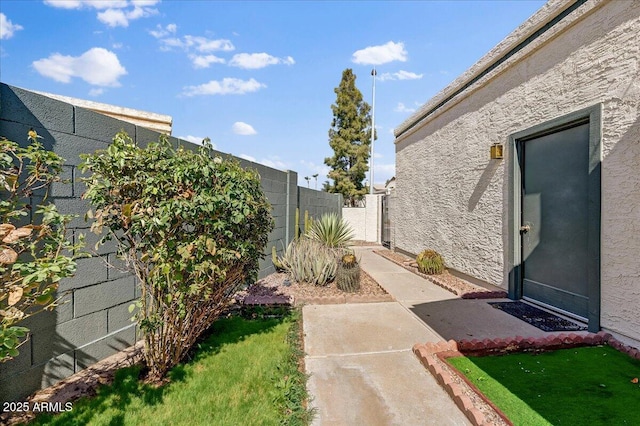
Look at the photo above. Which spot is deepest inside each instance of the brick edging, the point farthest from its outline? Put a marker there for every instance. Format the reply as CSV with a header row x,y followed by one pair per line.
x,y
433,356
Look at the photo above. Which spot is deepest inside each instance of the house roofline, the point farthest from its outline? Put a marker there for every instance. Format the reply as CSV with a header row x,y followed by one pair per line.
x,y
540,23
161,123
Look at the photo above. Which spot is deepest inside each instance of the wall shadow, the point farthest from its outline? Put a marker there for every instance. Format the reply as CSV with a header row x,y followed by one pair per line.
x,y
483,183
468,319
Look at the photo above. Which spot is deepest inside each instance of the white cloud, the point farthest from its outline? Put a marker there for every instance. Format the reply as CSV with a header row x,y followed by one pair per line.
x,y
160,31
377,155
377,55
115,13
121,18
7,28
228,86
201,44
244,129
96,91
205,61
143,3
403,108
273,161
80,4
321,169
113,18
258,60
204,44
382,172
96,66
400,75
196,140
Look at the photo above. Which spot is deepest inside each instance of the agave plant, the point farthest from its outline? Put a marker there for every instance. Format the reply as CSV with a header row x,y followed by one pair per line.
x,y
309,261
331,230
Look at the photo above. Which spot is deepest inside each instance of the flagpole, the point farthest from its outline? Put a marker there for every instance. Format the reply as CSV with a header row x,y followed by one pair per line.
x,y
373,130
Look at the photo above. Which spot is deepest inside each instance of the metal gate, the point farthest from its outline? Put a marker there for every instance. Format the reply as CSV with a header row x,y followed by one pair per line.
x,y
386,222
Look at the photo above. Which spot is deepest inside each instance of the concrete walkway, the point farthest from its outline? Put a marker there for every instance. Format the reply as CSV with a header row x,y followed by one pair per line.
x,y
362,370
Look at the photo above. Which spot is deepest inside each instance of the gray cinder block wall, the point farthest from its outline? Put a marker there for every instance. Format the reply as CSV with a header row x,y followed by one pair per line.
x,y
94,320
317,203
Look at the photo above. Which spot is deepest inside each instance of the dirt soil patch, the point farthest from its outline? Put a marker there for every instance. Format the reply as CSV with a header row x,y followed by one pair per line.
x,y
278,288
446,280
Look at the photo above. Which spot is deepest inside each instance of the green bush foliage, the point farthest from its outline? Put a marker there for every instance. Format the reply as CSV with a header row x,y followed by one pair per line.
x,y
331,230
309,261
430,262
35,253
191,227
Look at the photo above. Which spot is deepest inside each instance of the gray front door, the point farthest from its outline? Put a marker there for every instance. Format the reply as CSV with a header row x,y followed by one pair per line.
x,y
555,218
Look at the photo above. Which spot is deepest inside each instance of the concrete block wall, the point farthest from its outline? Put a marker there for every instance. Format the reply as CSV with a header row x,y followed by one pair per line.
x,y
93,321
317,203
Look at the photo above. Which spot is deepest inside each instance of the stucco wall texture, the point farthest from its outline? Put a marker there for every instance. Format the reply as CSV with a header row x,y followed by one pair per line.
x,y
365,221
453,198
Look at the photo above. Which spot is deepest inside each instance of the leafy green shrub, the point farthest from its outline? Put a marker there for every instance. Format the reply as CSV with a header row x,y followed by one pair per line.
x,y
190,226
331,230
430,262
309,261
34,251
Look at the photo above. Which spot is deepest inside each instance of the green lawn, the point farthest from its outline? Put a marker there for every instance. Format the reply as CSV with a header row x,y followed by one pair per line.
x,y
244,372
580,386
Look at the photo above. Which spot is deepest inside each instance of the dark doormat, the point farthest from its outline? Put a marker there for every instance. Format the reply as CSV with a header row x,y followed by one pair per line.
x,y
537,317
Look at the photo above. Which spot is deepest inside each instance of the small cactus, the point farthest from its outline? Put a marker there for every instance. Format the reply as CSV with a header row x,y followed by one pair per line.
x,y
430,262
308,221
348,273
274,258
349,260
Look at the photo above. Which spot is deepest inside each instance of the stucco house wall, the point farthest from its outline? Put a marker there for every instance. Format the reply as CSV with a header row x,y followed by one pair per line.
x,y
452,197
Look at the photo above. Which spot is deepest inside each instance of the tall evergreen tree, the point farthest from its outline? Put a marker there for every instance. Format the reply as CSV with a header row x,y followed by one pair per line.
x,y
350,139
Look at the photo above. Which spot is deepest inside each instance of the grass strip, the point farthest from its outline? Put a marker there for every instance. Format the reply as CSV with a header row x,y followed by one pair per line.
x,y
245,371
579,386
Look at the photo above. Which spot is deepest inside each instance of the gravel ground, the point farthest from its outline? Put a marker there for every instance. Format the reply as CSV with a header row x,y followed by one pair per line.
x,y
278,288
455,285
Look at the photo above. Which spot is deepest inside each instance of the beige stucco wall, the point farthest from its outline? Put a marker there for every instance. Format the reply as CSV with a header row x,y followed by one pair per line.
x,y
365,221
451,197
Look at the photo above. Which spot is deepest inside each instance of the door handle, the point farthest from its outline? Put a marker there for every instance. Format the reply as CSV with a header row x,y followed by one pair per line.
x,y
524,229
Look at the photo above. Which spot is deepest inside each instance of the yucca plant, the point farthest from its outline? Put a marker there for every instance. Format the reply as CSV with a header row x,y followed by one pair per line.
x,y
430,262
331,230
309,261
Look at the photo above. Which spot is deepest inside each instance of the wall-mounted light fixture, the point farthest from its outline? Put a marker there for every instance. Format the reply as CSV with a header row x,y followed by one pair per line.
x,y
497,151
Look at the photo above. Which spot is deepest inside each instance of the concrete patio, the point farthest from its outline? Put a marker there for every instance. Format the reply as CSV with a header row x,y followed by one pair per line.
x,y
362,369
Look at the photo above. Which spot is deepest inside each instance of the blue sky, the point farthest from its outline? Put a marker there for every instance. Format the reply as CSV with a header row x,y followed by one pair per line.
x,y
257,78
